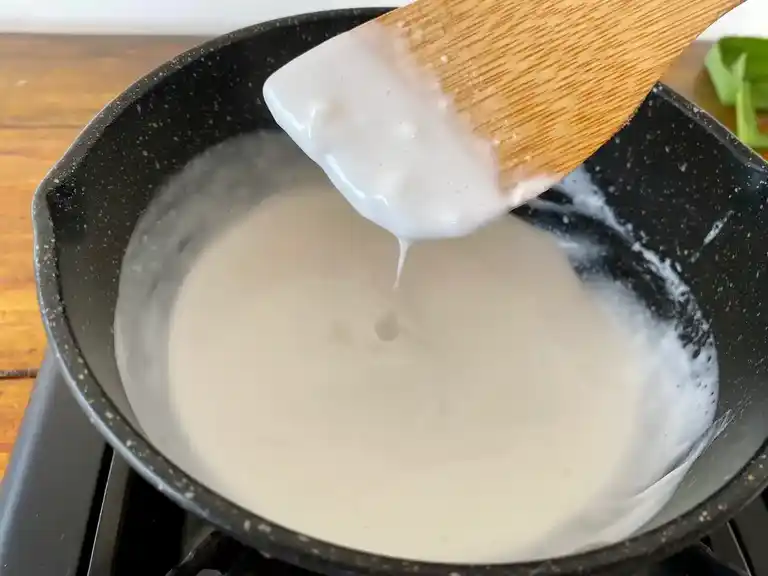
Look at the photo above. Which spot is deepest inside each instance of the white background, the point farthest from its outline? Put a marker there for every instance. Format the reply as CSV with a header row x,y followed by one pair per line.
x,y
217,16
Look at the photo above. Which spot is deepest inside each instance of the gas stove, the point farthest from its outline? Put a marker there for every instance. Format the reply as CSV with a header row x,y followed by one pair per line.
x,y
70,506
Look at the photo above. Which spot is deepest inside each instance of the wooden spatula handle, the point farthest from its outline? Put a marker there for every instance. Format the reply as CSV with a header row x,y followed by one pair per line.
x,y
532,74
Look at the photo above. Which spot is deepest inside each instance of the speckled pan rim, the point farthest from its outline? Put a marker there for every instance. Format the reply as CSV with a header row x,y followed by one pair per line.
x,y
261,533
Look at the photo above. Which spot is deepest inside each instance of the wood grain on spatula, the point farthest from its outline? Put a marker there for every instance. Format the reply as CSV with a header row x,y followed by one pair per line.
x,y
550,80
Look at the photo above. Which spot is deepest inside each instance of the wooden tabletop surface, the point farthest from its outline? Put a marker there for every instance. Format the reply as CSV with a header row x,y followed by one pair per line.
x,y
50,86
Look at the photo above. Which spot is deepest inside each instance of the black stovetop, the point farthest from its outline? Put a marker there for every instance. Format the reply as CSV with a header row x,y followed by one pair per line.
x,y
69,506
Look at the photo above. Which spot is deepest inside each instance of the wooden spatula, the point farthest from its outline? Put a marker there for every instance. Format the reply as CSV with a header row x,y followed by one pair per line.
x,y
550,80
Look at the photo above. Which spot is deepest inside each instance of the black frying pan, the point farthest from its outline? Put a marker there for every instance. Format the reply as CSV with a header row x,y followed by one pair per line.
x,y
86,208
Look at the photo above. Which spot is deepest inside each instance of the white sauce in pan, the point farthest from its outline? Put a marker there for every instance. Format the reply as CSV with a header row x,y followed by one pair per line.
x,y
493,408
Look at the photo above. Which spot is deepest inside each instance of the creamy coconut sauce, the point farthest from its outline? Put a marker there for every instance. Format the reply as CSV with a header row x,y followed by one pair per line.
x,y
390,139
496,407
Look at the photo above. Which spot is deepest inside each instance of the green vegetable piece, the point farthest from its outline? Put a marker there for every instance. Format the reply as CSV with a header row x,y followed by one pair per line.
x,y
747,128
738,68
722,58
726,85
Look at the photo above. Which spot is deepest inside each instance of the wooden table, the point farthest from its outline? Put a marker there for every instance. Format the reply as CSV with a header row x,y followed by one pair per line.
x,y
49,88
